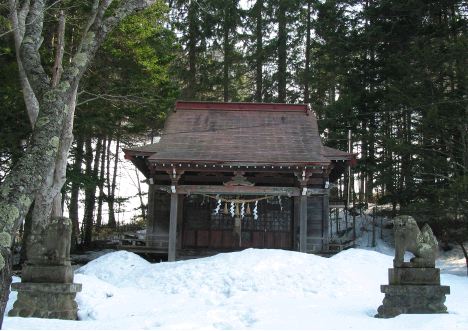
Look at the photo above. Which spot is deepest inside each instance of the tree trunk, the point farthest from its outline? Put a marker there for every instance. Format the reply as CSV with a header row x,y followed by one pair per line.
x,y
18,18
75,191
50,191
21,185
38,172
227,47
192,16
348,176
26,232
140,195
389,179
362,175
307,54
370,160
406,173
101,183
111,186
53,198
465,253
114,175
5,281
282,51
92,168
371,108
259,53
18,189
111,216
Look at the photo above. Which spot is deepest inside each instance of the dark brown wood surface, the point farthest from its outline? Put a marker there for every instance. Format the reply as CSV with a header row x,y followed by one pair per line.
x,y
242,190
203,228
171,254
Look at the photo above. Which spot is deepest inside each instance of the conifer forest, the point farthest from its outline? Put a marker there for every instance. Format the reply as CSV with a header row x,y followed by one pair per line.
x,y
389,77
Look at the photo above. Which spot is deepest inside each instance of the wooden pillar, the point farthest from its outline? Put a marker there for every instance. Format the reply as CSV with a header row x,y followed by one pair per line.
x,y
171,250
303,179
180,219
325,220
296,224
303,223
150,221
173,218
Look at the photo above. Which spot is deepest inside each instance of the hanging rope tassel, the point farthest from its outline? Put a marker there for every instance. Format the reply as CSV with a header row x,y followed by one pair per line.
x,y
237,209
247,210
225,211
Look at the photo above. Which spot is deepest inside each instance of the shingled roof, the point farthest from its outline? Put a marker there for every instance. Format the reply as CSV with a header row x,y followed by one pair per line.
x,y
240,133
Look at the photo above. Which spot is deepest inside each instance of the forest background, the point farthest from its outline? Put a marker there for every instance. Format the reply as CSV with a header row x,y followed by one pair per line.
x,y
392,72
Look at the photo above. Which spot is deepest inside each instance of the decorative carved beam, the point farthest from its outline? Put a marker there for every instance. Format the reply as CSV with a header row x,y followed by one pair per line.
x,y
213,179
175,175
303,177
242,190
238,180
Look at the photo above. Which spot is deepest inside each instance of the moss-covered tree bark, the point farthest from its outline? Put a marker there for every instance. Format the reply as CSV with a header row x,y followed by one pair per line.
x,y
36,168
5,279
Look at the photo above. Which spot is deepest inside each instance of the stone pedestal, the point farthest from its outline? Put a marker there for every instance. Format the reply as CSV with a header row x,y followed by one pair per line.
x,y
47,274
45,300
413,291
47,289
414,276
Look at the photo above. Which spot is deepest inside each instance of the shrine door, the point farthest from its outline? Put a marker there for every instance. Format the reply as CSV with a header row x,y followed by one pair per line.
x,y
206,225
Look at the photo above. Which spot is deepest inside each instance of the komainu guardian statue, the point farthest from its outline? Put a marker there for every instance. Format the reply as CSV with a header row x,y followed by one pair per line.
x,y
414,286
422,243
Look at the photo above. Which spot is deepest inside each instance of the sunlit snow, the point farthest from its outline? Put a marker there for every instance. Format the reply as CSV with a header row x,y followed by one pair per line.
x,y
251,289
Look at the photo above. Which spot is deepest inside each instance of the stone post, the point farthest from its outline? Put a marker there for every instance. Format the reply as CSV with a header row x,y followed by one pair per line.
x,y
47,289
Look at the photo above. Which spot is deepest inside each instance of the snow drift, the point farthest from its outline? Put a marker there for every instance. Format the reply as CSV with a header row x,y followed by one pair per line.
x,y
251,289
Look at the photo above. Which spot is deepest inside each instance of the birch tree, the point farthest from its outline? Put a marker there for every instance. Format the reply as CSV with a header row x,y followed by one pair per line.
x,y
50,101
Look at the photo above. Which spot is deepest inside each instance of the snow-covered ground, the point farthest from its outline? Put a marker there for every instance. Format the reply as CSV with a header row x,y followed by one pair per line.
x,y
252,289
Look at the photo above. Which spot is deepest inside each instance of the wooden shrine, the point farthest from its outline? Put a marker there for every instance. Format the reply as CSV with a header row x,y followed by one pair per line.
x,y
228,176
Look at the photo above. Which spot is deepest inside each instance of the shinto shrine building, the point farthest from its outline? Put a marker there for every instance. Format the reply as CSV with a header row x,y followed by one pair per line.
x,y
227,176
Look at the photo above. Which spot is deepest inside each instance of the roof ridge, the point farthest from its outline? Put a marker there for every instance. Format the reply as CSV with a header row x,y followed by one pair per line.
x,y
241,106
